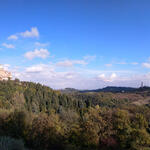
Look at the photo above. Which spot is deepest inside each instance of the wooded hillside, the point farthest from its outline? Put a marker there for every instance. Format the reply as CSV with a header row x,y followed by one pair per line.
x,y
40,118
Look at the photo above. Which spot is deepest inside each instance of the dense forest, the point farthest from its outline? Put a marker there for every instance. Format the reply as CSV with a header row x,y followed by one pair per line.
x,y
36,117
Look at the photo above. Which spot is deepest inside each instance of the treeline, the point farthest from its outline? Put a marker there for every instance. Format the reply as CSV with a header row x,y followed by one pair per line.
x,y
39,118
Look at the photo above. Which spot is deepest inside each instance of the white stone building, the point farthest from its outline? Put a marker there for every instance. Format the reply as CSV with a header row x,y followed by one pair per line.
x,y
4,75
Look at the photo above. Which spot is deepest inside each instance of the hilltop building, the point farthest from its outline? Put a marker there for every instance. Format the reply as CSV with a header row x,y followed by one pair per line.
x,y
4,75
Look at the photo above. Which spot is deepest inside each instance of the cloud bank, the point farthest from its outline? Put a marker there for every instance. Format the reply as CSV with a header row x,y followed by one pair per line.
x,y
37,53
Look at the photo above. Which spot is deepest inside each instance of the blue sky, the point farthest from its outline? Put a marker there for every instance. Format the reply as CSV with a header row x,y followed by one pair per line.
x,y
76,43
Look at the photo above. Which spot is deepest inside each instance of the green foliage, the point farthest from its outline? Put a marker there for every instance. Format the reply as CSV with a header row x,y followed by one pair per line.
x,y
139,139
45,132
17,124
46,119
122,127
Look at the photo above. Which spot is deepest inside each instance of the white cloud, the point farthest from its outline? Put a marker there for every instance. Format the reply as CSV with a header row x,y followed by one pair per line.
x,y
146,65
101,76
41,44
34,69
113,76
70,75
6,66
39,68
13,37
121,63
70,63
89,57
65,63
79,62
48,74
27,34
8,45
134,63
108,65
33,33
39,53
108,78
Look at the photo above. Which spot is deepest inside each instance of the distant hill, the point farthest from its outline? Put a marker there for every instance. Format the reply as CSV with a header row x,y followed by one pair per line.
x,y
69,90
142,89
112,89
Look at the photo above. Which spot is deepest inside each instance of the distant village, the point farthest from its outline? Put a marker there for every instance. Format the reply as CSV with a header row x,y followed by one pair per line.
x,y
4,75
